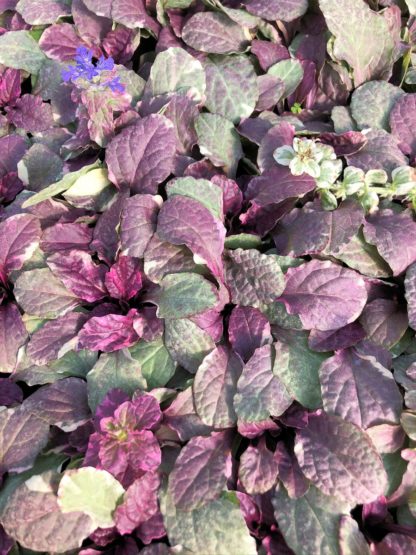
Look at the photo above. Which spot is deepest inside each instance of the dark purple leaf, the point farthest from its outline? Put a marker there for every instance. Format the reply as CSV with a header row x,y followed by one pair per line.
x,y
248,329
359,389
124,279
109,333
324,295
141,156
51,340
19,238
385,230
199,474
138,224
31,114
80,274
402,122
184,221
13,335
332,454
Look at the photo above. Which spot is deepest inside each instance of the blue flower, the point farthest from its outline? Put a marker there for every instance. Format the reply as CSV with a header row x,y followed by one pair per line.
x,y
115,84
86,69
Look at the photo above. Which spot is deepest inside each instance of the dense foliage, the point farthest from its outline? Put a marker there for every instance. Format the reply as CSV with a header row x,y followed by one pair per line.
x,y
208,277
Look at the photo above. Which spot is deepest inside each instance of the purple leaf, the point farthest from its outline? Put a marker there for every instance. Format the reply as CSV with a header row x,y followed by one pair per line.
x,y
215,33
335,340
31,114
260,393
19,238
344,144
326,296
142,155
278,184
22,437
34,519
90,26
140,503
395,544
79,274
332,454
387,229
13,148
359,389
105,237
60,42
214,388
124,279
13,335
248,329
232,195
62,404
138,224
269,53
285,10
41,12
384,321
402,122
181,417
182,112
258,469
66,236
184,221
108,333
289,472
311,231
271,89
9,86
279,135
199,474
380,152
131,13
51,340
10,393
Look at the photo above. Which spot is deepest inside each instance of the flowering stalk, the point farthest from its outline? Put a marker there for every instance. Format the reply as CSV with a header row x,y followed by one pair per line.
x,y
85,72
320,161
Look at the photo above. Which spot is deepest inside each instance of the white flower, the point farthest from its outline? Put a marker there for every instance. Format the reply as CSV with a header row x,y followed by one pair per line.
x,y
306,156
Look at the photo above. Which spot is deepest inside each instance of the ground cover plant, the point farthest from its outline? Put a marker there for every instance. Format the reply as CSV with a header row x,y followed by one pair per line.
x,y
208,277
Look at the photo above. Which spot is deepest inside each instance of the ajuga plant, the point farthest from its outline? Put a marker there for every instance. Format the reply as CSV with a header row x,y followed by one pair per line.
x,y
207,277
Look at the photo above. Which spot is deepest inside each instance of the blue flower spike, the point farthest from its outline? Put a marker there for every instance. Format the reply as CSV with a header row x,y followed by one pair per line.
x,y
85,68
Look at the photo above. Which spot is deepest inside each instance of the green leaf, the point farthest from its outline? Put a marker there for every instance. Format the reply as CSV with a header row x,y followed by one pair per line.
x,y
362,38
211,529
254,279
113,370
297,367
42,464
184,295
20,51
232,89
371,104
310,524
242,241
40,293
154,359
290,72
219,141
176,71
93,492
90,190
187,343
60,186
202,190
